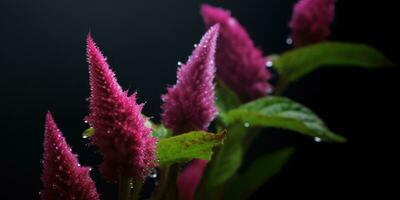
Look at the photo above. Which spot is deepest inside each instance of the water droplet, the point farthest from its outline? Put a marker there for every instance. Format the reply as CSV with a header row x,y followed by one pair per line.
x,y
246,124
179,63
269,63
195,45
289,41
317,139
270,90
153,173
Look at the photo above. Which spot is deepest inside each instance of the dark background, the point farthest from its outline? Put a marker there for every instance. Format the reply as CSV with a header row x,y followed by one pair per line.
x,y
43,66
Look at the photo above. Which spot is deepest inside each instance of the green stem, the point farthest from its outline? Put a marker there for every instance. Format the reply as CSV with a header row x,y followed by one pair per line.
x,y
124,188
137,188
171,189
162,182
167,189
251,135
282,84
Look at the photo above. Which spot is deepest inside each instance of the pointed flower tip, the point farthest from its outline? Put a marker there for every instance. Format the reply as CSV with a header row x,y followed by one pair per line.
x,y
190,104
207,44
89,40
213,31
240,64
89,35
211,35
63,177
49,116
91,47
311,20
213,14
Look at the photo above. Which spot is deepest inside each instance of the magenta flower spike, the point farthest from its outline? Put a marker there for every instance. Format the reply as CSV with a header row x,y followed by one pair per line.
x,y
311,21
121,135
189,105
190,178
63,177
240,64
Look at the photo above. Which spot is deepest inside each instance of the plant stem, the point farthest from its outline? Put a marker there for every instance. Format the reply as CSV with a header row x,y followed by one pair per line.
x,y
168,190
162,183
124,188
137,187
282,84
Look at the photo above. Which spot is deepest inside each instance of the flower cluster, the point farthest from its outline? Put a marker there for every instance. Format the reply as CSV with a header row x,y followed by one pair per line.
x,y
124,138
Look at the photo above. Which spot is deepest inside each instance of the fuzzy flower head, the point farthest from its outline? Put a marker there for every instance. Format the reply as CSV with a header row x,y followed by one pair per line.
x,y
121,135
240,64
190,104
311,21
62,176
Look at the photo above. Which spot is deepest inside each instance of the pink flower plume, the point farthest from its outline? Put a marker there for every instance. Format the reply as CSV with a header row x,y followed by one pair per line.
x,y
190,104
311,21
120,132
63,177
240,64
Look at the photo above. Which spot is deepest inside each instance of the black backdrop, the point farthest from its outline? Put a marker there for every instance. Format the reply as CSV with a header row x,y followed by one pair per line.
x,y
43,66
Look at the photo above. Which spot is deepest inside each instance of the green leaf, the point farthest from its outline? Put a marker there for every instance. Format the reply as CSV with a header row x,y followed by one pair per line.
x,y
280,112
88,132
298,62
185,147
226,98
224,164
157,130
259,172
160,132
